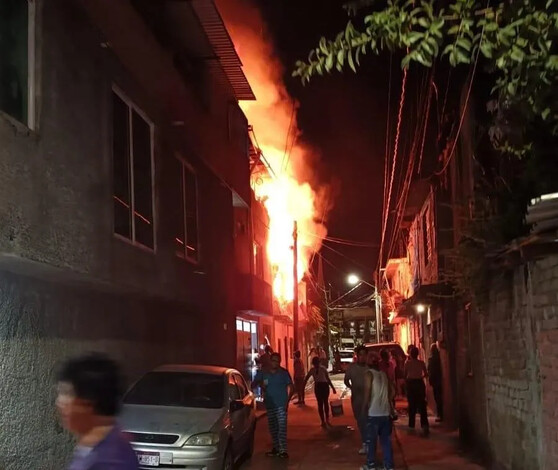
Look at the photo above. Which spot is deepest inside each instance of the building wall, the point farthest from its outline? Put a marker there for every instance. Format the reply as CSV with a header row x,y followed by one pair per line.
x,y
422,246
67,285
56,183
512,365
42,323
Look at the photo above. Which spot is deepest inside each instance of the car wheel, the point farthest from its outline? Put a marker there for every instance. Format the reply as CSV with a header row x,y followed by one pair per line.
x,y
228,460
251,443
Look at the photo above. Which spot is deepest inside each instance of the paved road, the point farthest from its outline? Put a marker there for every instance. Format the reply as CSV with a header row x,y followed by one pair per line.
x,y
312,447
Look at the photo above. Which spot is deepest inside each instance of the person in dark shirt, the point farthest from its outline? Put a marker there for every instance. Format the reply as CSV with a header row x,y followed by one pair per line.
x,y
435,380
278,389
265,359
88,401
299,375
322,383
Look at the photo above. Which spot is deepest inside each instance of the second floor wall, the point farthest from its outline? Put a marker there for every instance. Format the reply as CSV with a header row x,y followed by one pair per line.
x,y
95,177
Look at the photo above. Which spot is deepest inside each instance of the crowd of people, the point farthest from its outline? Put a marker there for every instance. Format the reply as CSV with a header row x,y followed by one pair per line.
x,y
374,381
90,389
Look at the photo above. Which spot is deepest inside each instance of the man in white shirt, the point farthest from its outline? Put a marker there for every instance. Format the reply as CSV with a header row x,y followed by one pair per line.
x,y
354,379
378,393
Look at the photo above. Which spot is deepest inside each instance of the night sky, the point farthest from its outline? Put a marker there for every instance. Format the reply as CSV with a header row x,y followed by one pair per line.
x,y
344,117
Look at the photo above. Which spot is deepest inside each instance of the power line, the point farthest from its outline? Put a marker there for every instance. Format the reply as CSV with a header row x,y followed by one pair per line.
x,y
394,164
402,203
283,164
464,111
388,140
346,257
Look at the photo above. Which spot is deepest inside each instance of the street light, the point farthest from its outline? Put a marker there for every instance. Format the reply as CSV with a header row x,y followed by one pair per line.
x,y
354,280
421,308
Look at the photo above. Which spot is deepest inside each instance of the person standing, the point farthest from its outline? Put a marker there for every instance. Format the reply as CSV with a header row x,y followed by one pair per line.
x,y
354,380
322,383
379,392
387,366
278,390
299,376
322,355
415,373
265,358
435,380
88,401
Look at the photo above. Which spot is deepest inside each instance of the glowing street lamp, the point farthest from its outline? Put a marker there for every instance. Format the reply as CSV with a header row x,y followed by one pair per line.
x,y
356,281
421,308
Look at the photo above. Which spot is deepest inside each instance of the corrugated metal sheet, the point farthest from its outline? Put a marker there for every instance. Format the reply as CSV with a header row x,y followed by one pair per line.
x,y
223,46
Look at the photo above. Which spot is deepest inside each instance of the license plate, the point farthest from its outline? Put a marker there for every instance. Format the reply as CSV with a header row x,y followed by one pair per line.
x,y
149,459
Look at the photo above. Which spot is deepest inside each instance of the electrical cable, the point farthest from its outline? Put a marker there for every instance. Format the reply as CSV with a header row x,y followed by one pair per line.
x,y
406,188
283,164
388,133
346,257
466,105
394,163
344,295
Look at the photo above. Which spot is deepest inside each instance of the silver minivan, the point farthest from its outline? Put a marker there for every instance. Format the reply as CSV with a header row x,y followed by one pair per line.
x,y
190,417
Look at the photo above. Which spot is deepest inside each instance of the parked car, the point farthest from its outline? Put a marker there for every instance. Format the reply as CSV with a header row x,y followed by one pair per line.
x,y
347,358
187,416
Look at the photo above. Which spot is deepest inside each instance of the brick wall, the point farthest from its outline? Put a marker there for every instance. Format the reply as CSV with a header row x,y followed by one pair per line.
x,y
548,350
513,348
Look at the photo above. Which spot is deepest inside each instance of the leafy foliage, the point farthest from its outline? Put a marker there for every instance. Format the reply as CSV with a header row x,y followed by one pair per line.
x,y
516,40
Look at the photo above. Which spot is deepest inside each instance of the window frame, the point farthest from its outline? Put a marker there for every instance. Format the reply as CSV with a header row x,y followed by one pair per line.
x,y
186,166
241,385
427,236
31,56
258,260
232,382
133,107
31,87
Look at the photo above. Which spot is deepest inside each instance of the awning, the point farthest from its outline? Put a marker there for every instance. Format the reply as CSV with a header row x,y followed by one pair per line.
x,y
427,294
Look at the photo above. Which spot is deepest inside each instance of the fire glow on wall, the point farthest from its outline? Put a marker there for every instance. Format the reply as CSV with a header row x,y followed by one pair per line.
x,y
285,190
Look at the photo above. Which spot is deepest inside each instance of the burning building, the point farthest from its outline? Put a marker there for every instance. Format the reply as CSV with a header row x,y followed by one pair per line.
x,y
280,177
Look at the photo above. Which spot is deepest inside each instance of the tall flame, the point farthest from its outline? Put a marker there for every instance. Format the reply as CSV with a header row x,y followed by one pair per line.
x,y
285,190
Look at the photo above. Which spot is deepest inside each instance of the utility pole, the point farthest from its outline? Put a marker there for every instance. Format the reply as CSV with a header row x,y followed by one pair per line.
x,y
327,293
378,307
295,282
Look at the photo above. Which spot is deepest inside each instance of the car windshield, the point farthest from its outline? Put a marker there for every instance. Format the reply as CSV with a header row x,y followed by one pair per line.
x,y
345,354
184,389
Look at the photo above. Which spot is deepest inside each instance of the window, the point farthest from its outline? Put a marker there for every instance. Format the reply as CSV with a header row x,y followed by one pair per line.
x,y
184,389
258,261
132,155
17,51
241,384
234,393
186,211
426,240
238,128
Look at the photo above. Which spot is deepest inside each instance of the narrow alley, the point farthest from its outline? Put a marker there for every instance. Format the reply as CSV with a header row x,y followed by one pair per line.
x,y
312,447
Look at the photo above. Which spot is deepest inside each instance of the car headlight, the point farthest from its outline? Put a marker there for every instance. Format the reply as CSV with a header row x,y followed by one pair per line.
x,y
206,439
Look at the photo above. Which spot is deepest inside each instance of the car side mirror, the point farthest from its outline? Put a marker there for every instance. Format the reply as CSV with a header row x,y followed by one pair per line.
x,y
236,405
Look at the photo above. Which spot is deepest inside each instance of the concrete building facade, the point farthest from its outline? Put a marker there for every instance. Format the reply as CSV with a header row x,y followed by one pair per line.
x,y
121,162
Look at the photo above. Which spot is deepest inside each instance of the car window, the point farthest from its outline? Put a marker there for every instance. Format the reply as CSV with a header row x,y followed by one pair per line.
x,y
184,389
234,394
241,384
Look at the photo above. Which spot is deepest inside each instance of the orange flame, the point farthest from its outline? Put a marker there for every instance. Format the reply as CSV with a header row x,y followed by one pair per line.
x,y
285,190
